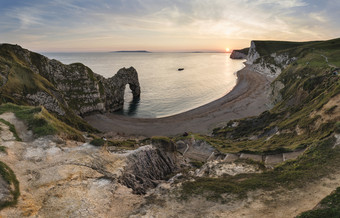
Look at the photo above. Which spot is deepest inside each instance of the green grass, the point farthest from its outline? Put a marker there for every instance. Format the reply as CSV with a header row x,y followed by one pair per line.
x,y
9,176
308,87
23,80
97,142
269,47
39,126
125,144
318,161
12,129
41,122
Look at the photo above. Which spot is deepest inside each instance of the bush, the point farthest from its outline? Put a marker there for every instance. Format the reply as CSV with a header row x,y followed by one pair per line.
x,y
197,164
97,142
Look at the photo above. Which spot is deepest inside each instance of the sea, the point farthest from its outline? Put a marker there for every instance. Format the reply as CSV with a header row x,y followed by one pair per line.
x,y
165,90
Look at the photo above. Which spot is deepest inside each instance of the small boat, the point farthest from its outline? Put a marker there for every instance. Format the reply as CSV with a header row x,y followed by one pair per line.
x,y
180,69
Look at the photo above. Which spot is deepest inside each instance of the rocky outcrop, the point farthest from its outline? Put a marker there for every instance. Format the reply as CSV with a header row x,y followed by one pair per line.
x,y
147,166
115,100
239,54
36,80
198,150
253,55
268,64
62,177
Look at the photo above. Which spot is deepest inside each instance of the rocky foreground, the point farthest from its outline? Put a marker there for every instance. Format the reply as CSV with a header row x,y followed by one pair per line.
x,y
276,164
61,178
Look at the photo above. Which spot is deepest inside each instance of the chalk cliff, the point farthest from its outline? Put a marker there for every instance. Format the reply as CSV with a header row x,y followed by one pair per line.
x,y
267,59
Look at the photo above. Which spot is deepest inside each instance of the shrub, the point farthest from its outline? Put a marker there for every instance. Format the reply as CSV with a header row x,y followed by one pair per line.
x,y
97,142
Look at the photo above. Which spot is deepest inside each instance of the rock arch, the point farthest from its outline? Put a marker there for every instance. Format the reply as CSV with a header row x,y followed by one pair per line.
x,y
117,83
128,76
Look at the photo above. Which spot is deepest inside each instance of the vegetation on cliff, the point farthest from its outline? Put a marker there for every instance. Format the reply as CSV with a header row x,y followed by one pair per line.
x,y
67,91
306,117
10,179
41,122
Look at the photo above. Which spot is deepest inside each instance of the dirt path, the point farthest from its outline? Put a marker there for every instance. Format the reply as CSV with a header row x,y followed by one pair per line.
x,y
20,126
248,98
63,179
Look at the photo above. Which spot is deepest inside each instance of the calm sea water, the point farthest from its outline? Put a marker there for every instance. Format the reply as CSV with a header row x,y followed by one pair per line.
x,y
165,90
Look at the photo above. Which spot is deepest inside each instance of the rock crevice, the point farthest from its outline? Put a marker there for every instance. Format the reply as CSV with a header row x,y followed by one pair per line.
x,y
147,167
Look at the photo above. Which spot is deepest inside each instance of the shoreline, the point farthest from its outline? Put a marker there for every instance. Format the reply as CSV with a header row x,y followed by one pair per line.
x,y
249,97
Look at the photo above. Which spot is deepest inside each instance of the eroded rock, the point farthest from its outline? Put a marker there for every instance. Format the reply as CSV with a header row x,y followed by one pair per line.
x,y
147,167
59,87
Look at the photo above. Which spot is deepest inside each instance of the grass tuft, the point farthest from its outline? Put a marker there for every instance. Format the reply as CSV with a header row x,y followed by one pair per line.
x,y
12,129
9,176
97,142
41,122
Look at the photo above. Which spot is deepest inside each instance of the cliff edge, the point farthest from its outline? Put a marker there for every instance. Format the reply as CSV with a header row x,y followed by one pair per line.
x,y
33,79
239,54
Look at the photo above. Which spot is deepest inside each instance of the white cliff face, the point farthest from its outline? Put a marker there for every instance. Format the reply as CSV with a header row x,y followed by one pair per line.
x,y
271,65
253,55
283,59
270,70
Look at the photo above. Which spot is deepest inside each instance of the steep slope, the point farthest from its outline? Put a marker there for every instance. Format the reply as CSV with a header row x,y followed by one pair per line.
x,y
66,90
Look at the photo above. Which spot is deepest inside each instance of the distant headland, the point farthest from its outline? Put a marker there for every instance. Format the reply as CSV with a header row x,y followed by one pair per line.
x,y
139,51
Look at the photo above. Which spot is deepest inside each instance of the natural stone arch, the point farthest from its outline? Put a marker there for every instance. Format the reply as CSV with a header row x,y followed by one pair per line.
x,y
128,76
117,83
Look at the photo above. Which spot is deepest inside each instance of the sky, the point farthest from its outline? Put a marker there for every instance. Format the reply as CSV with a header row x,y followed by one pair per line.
x,y
163,25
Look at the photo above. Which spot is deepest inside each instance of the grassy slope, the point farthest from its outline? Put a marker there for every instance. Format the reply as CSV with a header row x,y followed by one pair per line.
x,y
309,86
41,122
22,81
269,47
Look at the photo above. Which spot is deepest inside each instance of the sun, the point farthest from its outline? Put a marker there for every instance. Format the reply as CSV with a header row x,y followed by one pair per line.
x,y
227,50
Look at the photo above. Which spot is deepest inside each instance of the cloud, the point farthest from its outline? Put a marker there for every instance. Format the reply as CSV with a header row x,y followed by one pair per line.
x,y
282,3
120,22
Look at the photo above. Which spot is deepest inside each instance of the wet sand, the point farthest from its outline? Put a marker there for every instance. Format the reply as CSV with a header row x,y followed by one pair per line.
x,y
248,98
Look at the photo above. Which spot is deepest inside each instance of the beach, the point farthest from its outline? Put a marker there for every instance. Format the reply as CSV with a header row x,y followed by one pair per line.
x,y
248,98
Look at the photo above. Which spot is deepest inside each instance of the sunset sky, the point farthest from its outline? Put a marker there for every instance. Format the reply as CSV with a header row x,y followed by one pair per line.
x,y
163,25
